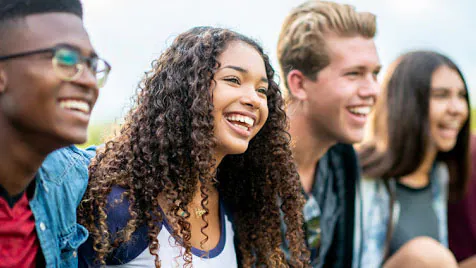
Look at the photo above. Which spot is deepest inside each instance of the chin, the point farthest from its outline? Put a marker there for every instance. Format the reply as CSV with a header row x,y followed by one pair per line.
x,y
74,137
351,138
446,147
237,149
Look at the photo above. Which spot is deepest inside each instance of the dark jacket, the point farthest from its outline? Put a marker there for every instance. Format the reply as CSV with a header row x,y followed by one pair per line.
x,y
337,228
334,190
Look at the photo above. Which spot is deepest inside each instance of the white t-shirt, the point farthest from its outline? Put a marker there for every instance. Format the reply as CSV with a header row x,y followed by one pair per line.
x,y
170,252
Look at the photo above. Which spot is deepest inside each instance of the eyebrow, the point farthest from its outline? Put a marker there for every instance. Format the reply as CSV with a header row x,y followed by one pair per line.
x,y
446,88
244,71
363,68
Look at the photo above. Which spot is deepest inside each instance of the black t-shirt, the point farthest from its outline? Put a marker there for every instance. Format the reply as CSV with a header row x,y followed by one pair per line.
x,y
11,200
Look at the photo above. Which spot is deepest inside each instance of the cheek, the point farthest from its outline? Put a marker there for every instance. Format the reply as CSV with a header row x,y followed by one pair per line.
x,y
465,112
35,82
265,115
436,111
435,114
336,97
217,105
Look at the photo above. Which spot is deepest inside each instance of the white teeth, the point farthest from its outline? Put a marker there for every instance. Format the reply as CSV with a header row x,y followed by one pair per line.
x,y
241,118
452,125
362,110
75,105
240,126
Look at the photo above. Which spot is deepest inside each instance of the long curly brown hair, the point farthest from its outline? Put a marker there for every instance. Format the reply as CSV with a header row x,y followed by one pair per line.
x,y
165,148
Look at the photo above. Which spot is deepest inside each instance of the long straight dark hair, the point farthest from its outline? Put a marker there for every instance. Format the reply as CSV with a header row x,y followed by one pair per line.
x,y
401,124
400,128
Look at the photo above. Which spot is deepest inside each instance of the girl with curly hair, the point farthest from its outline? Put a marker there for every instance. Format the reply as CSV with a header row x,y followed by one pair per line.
x,y
205,154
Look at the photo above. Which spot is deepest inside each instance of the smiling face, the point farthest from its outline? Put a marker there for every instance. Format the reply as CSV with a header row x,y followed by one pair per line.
x,y
448,108
239,98
33,98
343,94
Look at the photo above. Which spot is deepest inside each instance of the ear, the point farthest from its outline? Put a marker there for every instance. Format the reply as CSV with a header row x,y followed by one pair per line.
x,y
3,80
295,79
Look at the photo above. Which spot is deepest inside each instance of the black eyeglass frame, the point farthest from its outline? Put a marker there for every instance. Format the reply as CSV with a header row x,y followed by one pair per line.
x,y
89,61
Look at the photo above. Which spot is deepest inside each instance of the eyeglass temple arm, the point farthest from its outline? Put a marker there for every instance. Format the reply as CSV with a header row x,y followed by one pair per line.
x,y
24,54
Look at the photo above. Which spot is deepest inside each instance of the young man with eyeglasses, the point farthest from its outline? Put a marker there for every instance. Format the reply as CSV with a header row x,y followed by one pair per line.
x,y
49,81
329,65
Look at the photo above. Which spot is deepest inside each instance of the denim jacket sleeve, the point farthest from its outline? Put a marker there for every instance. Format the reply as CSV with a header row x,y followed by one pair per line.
x,y
60,186
373,216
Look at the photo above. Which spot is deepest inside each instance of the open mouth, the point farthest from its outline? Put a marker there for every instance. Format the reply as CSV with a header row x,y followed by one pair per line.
x,y
449,129
240,121
75,105
361,111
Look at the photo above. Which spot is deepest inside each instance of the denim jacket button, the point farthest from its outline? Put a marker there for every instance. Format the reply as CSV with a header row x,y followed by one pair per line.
x,y
42,226
75,254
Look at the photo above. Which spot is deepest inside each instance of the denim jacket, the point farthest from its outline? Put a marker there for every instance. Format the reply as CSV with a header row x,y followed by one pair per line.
x,y
59,187
372,216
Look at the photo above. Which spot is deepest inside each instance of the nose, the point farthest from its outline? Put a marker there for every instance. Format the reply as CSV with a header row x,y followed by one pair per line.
x,y
88,82
251,99
87,79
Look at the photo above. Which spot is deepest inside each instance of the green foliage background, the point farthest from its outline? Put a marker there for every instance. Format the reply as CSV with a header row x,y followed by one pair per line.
x,y
98,134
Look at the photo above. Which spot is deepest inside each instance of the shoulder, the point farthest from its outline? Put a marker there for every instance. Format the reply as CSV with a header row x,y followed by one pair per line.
x,y
64,175
374,186
117,210
441,172
343,161
66,162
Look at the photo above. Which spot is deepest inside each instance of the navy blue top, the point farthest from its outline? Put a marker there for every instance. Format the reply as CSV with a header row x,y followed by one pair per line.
x,y
118,216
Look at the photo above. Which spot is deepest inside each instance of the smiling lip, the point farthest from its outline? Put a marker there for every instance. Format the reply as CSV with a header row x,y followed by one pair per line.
x,y
251,115
240,128
78,108
449,131
242,132
359,113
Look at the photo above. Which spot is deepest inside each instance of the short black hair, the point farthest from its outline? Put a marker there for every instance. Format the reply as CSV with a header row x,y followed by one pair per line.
x,y
18,9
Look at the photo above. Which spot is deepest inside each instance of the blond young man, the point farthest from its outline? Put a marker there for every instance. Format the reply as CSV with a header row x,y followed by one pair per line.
x,y
329,64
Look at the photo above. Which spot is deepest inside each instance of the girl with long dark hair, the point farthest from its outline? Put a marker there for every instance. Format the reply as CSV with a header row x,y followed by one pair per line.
x,y
415,161
202,160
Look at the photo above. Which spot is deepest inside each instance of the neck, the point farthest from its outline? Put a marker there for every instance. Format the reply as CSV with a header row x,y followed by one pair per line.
x,y
210,189
421,176
212,193
20,158
307,148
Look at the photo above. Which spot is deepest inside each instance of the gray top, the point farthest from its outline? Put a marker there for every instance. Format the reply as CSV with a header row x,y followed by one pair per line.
x,y
417,216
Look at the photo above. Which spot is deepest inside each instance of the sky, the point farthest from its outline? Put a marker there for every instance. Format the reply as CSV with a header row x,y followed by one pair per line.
x,y
131,34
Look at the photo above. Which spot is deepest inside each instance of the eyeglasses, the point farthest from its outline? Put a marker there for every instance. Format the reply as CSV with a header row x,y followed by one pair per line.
x,y
69,64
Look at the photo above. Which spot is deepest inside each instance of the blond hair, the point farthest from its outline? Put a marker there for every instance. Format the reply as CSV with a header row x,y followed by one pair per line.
x,y
302,45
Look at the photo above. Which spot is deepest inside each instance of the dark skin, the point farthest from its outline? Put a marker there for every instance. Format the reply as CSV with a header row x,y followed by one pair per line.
x,y
32,122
